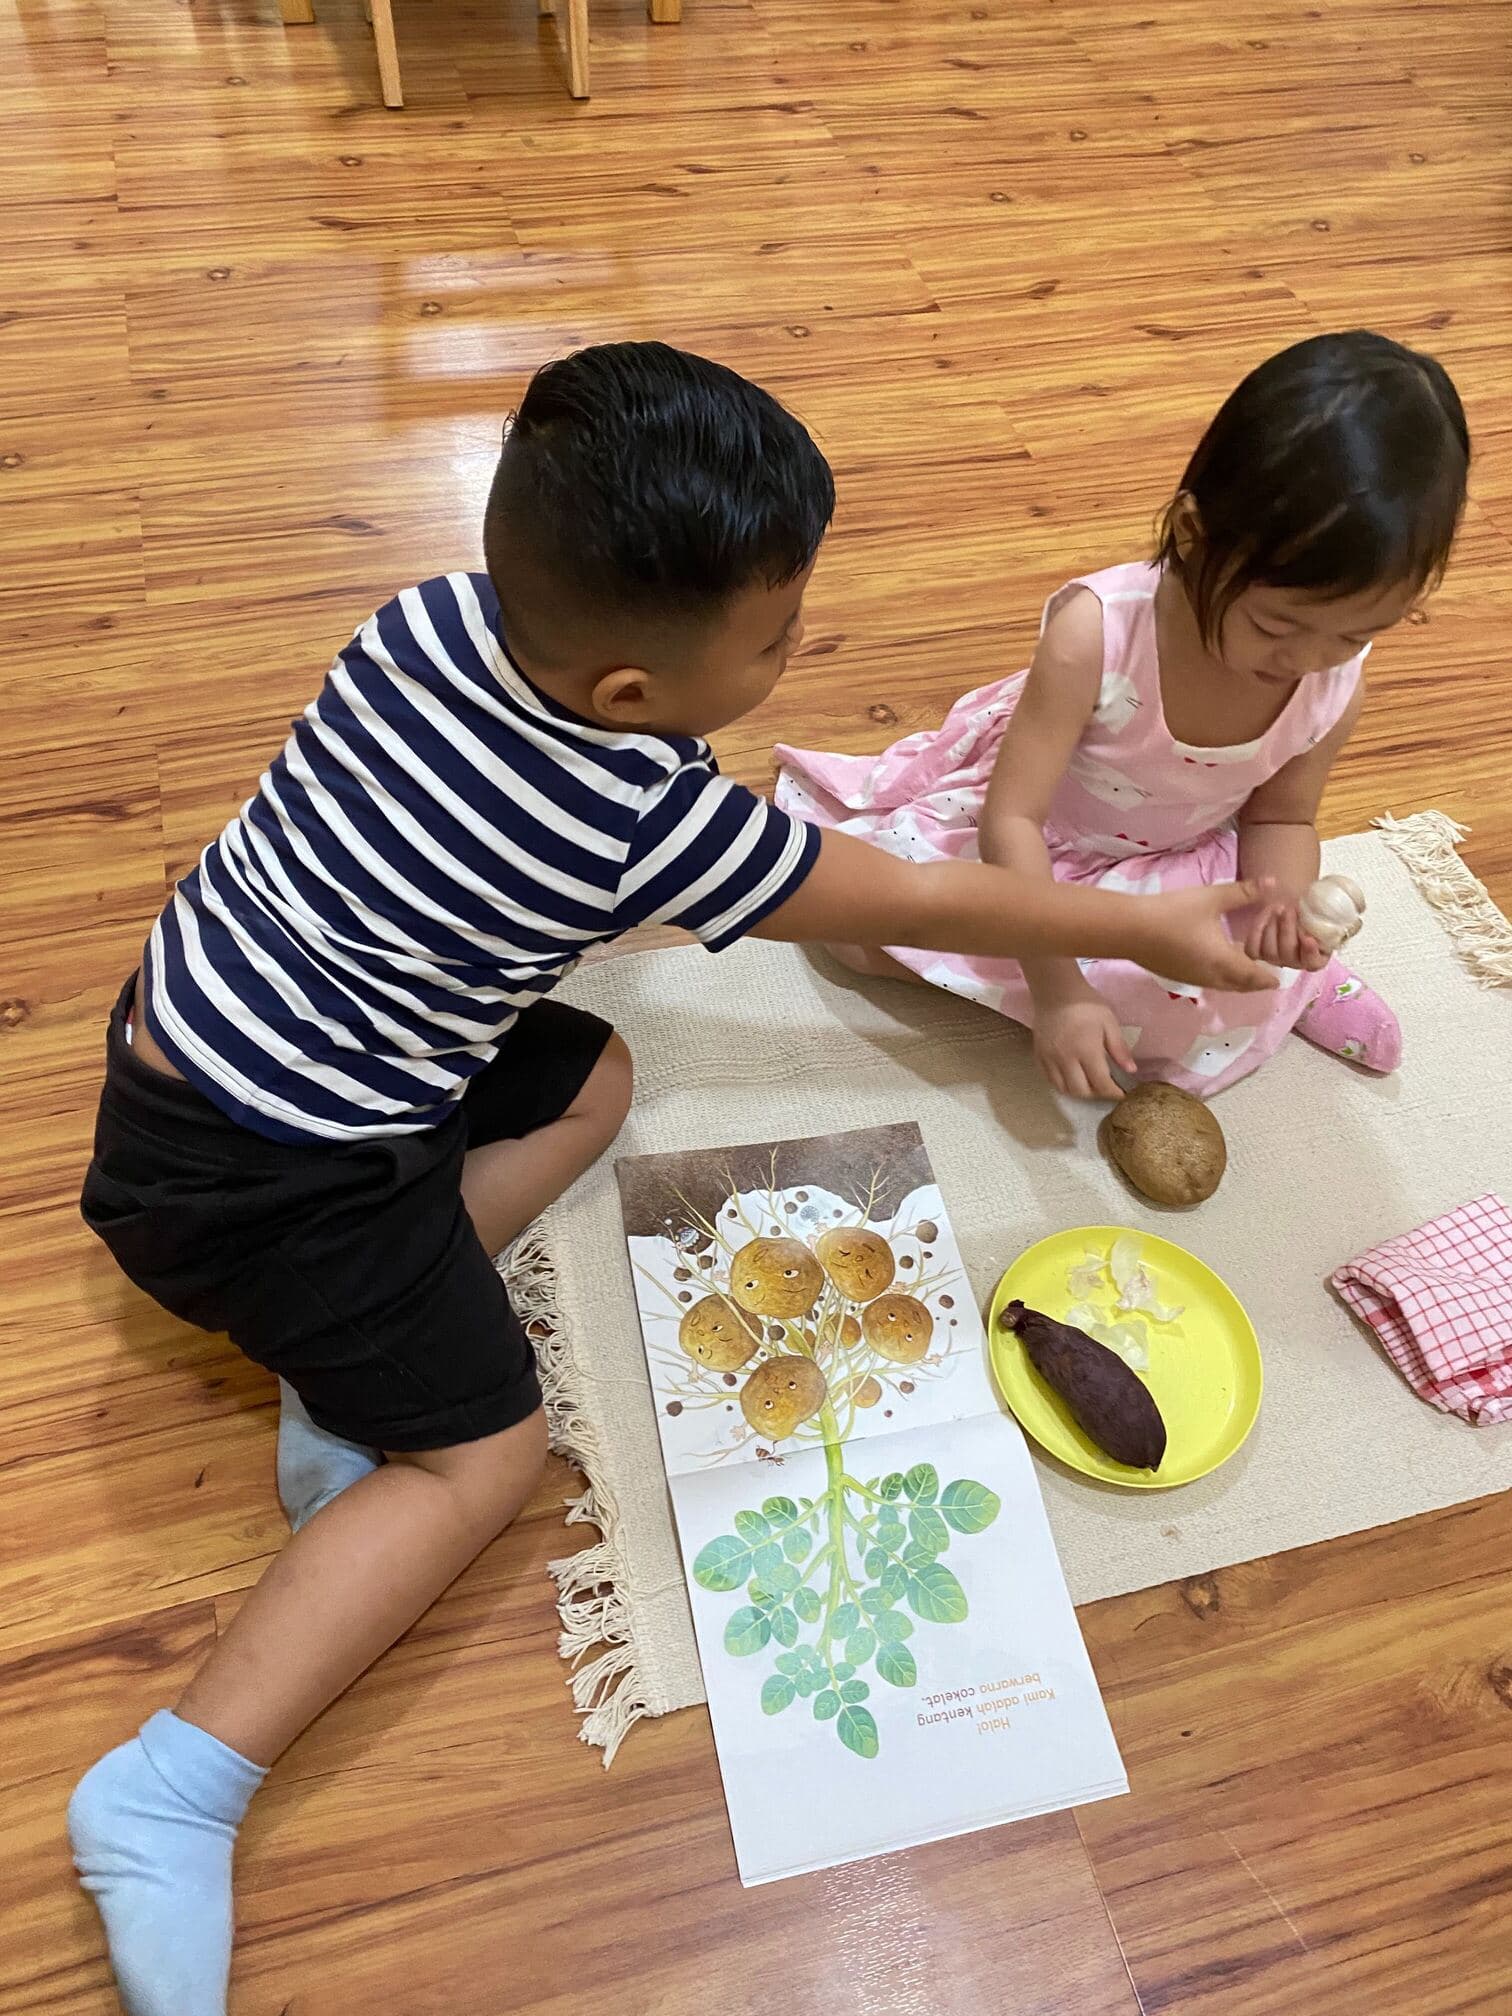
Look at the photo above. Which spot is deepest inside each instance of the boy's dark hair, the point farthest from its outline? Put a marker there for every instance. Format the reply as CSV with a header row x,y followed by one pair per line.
x,y
640,482
1337,466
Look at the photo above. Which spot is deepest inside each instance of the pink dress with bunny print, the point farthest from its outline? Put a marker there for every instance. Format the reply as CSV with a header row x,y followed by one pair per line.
x,y
1136,810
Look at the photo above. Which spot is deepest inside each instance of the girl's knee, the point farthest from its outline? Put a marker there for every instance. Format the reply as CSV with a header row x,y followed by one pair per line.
x,y
873,962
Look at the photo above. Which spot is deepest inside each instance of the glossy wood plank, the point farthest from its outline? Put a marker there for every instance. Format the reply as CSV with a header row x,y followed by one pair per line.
x,y
82,842
87,1690
1319,1752
257,336
87,1362
164,1515
52,1020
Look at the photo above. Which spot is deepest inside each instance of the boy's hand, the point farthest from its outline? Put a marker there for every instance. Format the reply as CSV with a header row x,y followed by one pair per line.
x,y
1184,937
1075,1041
1274,933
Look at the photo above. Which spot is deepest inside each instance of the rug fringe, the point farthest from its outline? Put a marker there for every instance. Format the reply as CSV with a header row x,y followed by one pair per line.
x,y
1427,845
607,1691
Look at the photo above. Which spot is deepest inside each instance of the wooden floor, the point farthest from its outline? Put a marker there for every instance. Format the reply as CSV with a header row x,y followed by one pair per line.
x,y
256,340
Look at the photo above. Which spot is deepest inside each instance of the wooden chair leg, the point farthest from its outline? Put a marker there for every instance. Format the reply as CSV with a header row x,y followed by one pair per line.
x,y
664,10
546,8
296,13
577,48
388,53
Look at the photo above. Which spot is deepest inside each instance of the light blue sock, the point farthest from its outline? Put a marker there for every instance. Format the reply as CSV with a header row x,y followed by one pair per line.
x,y
313,1466
152,1827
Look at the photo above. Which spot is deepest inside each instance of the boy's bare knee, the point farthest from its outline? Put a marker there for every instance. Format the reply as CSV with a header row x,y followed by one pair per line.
x,y
605,1098
490,1480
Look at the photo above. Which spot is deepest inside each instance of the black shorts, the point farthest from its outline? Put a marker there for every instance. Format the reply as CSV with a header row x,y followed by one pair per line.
x,y
350,1269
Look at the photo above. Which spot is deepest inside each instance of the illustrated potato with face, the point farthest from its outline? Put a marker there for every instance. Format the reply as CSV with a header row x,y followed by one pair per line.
x,y
776,1277
859,1261
898,1328
782,1394
717,1334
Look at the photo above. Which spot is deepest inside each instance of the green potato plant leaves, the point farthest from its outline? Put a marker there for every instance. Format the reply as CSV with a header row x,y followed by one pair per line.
x,y
858,1731
922,1485
836,1586
723,1565
936,1595
836,1598
968,1507
778,1692
747,1631
808,1606
895,1665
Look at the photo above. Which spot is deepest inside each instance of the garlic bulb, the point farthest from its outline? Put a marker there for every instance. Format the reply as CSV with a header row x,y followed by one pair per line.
x,y
1332,911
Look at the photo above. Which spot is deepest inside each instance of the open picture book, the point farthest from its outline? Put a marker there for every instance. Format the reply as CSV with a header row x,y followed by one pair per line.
x,y
889,1650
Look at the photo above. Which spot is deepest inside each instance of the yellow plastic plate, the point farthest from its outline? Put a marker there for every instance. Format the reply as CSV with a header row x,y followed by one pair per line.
x,y
1204,1368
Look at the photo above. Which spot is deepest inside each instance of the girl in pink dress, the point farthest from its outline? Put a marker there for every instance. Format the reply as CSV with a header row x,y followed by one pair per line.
x,y
1180,719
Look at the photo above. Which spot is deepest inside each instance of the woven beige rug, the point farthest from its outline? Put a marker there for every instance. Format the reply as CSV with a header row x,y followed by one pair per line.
x,y
765,1042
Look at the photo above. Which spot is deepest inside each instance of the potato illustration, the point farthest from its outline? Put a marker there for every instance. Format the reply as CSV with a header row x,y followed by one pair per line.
x,y
717,1334
859,1262
898,1327
781,1394
776,1277
842,1330
866,1392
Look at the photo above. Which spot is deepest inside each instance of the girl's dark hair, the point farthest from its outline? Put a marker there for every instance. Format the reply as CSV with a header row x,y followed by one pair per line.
x,y
645,482
1336,467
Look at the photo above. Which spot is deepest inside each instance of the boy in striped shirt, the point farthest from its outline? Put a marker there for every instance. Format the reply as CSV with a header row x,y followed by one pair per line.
x,y
340,1082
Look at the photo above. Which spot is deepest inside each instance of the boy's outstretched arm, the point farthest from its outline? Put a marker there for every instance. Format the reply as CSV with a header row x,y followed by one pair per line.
x,y
858,894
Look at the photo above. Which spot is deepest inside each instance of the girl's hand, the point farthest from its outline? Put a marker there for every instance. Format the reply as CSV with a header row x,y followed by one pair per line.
x,y
1074,1044
1183,937
1276,935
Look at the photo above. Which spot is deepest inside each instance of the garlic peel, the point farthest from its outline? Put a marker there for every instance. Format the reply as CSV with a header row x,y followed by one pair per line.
x,y
1086,1278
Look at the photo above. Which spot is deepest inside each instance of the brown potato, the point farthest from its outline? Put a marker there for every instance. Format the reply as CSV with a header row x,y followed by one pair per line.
x,y
898,1327
866,1392
1166,1143
717,1334
782,1394
776,1277
1112,1404
842,1330
859,1261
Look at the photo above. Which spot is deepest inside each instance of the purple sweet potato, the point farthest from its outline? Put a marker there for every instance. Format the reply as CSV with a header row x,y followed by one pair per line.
x,y
1112,1404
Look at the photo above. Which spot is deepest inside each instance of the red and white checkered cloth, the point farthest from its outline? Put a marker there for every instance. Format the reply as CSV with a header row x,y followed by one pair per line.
x,y
1440,1300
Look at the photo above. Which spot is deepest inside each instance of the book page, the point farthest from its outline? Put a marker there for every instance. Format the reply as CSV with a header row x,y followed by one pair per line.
x,y
888,1646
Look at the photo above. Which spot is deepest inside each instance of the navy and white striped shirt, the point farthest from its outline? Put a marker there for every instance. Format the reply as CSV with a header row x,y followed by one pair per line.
x,y
436,847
